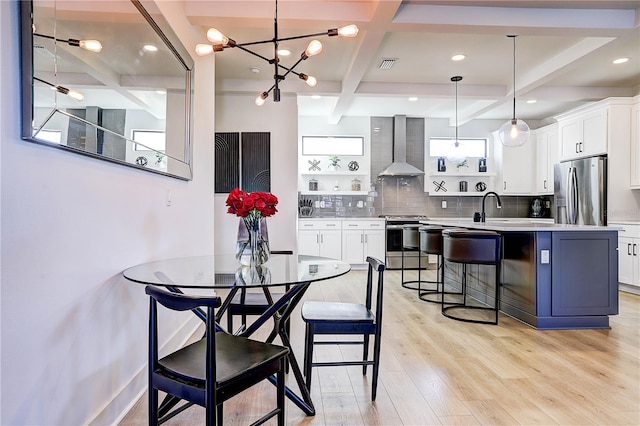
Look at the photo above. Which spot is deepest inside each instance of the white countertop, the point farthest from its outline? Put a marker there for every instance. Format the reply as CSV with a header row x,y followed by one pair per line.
x,y
512,225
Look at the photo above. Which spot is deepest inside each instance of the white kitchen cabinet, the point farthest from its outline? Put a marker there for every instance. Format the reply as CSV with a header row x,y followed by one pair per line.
x,y
320,238
635,147
362,238
584,134
628,254
547,154
515,166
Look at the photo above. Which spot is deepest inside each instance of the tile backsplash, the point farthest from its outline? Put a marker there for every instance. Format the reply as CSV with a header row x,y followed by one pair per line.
x,y
406,195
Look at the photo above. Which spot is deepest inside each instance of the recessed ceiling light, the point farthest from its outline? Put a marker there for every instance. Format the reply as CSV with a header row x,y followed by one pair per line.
x,y
315,96
458,57
284,52
531,101
620,60
413,99
255,70
149,48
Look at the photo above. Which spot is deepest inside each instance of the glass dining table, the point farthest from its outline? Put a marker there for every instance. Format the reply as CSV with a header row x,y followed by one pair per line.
x,y
223,272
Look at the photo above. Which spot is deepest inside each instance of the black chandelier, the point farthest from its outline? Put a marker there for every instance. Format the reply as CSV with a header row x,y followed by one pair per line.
x,y
220,42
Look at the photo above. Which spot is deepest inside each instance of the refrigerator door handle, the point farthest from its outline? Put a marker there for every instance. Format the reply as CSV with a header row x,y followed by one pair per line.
x,y
572,196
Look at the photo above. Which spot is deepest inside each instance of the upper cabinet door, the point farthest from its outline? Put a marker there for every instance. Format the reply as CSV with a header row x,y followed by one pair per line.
x,y
635,147
547,152
516,167
584,136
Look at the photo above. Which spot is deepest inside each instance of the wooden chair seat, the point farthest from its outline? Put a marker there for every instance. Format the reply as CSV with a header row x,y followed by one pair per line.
x,y
320,312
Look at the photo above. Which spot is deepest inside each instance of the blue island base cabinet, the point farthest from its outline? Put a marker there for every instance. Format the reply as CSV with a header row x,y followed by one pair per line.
x,y
551,280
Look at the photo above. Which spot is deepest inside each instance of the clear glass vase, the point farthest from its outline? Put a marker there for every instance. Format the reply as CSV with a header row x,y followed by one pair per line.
x,y
253,241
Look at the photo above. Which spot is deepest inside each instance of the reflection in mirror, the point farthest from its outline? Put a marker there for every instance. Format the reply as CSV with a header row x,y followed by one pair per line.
x,y
107,79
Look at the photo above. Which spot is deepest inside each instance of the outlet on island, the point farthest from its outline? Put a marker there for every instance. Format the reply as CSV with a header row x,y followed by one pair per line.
x,y
444,204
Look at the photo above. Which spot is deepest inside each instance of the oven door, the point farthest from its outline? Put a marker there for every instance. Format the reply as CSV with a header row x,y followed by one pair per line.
x,y
412,260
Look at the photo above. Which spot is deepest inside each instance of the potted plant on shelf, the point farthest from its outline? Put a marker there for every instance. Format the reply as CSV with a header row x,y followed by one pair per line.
x,y
333,162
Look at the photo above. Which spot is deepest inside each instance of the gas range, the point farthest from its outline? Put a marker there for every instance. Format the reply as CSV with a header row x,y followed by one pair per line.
x,y
399,220
395,252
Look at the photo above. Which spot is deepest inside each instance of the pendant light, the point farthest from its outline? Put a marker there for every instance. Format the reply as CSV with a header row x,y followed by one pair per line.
x,y
457,154
514,132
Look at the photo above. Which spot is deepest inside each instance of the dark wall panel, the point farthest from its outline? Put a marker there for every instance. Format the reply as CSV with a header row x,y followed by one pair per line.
x,y
227,162
256,161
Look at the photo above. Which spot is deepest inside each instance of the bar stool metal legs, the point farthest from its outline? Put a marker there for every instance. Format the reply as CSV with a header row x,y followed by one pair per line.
x,y
410,242
431,243
472,247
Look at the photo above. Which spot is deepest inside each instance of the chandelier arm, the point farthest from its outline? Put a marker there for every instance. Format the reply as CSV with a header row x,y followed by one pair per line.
x,y
253,53
304,36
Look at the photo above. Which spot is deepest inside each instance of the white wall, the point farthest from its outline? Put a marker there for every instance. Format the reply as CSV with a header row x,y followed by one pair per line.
x,y
73,331
238,113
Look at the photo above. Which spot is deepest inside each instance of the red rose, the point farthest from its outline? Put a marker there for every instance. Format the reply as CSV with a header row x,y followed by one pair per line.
x,y
244,204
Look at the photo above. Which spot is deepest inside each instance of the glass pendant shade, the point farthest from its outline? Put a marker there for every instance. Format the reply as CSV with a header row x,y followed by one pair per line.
x,y
456,155
514,132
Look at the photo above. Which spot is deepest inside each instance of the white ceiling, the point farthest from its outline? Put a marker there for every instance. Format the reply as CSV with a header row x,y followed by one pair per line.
x,y
564,53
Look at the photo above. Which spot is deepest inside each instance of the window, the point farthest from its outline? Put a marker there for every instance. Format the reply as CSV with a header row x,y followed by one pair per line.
x,y
149,140
332,145
444,147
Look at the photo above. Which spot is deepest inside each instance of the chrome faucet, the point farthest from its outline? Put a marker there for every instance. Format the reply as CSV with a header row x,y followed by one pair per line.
x,y
483,219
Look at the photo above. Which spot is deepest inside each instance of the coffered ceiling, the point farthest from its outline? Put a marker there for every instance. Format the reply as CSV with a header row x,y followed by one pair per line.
x,y
564,54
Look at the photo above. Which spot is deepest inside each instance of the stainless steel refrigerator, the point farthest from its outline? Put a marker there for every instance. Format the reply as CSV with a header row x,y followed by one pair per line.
x,y
580,191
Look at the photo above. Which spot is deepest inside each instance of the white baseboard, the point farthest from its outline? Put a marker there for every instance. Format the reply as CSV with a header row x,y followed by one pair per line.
x,y
123,401
628,288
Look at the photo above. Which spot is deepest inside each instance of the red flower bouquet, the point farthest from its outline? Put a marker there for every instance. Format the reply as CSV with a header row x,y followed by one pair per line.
x,y
253,239
246,204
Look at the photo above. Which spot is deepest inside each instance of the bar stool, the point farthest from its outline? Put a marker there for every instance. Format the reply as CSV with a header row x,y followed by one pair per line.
x,y
431,243
411,242
472,247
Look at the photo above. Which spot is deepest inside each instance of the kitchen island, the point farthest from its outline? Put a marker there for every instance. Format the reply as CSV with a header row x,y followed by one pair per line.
x,y
554,276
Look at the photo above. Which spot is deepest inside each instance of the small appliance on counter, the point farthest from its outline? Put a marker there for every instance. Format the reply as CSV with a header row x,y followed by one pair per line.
x,y
540,207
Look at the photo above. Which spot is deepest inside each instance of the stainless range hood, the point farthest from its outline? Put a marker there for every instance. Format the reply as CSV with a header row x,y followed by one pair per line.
x,y
399,167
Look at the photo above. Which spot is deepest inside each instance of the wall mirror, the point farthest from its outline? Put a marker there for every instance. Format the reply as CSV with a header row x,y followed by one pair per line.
x,y
108,79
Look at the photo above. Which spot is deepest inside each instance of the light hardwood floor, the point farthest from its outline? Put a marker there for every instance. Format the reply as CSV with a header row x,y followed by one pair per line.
x,y
436,371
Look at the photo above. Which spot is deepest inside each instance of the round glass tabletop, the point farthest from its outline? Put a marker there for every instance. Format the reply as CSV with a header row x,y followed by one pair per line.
x,y
224,271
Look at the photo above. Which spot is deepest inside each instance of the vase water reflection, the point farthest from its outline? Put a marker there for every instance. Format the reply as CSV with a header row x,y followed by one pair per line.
x,y
253,241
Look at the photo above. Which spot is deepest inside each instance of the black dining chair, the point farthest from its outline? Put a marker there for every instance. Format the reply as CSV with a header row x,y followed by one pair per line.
x,y
246,303
211,370
334,318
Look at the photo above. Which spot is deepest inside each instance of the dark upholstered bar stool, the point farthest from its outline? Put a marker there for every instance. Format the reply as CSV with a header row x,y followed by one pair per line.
x,y
410,242
472,247
431,243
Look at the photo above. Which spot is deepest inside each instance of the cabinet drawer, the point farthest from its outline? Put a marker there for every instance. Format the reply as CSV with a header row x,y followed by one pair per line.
x,y
318,224
363,224
628,230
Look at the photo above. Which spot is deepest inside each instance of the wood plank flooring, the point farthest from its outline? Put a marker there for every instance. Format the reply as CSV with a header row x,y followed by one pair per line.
x,y
437,371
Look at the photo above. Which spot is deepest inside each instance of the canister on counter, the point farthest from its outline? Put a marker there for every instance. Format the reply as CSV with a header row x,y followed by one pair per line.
x,y
313,185
355,185
463,186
